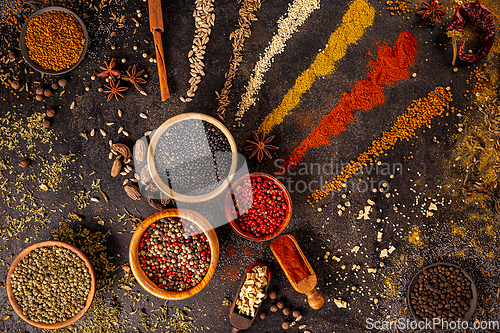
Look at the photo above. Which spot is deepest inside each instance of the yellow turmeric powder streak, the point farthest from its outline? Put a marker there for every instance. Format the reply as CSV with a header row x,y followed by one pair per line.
x,y
418,114
359,17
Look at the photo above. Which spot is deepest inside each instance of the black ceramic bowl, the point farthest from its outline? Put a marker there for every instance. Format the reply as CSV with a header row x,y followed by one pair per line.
x,y
24,48
472,302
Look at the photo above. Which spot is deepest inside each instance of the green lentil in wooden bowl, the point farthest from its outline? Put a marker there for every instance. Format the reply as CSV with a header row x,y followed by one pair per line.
x,y
51,284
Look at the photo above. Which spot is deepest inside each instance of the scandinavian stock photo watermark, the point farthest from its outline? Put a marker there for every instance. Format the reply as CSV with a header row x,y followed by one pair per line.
x,y
322,173
436,323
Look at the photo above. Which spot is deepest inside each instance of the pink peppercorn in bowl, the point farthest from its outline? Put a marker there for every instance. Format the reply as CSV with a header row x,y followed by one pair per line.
x,y
258,207
167,265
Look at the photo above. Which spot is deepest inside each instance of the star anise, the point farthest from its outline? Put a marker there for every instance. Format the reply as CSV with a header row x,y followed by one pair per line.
x,y
114,89
109,70
432,10
134,78
260,146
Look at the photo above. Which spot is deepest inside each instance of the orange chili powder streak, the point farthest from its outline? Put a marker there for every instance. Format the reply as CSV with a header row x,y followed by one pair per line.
x,y
391,65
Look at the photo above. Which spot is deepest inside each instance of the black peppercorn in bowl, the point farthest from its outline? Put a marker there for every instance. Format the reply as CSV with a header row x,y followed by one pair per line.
x,y
192,157
442,294
173,253
54,40
51,284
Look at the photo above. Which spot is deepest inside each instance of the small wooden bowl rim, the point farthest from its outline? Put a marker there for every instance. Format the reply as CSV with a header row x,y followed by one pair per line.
x,y
24,47
141,276
472,302
229,206
233,310
164,187
17,308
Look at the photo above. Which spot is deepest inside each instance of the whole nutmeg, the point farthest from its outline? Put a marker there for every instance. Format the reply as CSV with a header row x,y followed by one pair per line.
x,y
296,313
54,86
286,311
62,83
39,98
12,55
15,85
285,325
272,294
273,308
47,92
39,91
280,304
262,315
24,163
46,123
50,113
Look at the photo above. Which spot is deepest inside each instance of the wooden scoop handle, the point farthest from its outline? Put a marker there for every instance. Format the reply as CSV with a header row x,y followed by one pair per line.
x,y
235,330
315,300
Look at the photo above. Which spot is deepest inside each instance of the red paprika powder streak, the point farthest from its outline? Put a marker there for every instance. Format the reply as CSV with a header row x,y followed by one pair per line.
x,y
391,65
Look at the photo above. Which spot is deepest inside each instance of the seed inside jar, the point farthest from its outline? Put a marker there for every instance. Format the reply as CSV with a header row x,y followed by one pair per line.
x,y
174,253
193,157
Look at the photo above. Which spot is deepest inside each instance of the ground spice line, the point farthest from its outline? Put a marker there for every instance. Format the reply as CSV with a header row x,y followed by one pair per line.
x,y
418,114
298,12
246,12
391,66
358,18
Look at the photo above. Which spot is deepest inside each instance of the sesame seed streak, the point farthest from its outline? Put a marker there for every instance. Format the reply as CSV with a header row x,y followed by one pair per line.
x,y
297,14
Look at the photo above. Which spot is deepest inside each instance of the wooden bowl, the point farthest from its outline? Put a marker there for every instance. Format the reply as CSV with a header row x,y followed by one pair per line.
x,y
24,48
154,172
18,308
472,302
231,217
141,276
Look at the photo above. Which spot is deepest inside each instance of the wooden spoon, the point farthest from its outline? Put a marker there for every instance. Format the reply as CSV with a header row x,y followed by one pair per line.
x,y
239,321
297,269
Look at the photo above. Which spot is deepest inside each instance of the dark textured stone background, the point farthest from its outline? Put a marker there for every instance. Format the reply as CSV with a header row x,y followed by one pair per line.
x,y
425,176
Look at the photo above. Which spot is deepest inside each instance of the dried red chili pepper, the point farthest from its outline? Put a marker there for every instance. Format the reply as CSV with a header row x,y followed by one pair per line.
x,y
469,13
